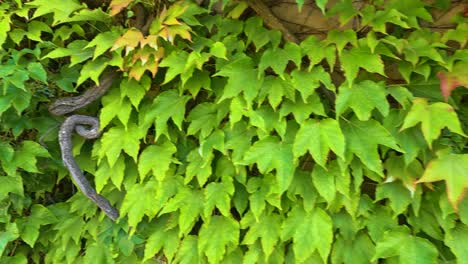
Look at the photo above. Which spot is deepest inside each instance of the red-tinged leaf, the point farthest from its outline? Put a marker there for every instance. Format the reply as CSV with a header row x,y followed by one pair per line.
x,y
117,5
130,40
433,118
453,169
451,80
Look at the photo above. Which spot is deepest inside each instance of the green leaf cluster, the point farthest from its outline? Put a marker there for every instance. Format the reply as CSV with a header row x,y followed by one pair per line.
x,y
222,143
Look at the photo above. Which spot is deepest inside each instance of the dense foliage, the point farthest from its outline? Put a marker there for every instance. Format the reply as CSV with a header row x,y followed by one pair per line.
x,y
223,143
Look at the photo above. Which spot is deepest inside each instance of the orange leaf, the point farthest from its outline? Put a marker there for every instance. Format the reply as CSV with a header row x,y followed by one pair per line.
x,y
117,5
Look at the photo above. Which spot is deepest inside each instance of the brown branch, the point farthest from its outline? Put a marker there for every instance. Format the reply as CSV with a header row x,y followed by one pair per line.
x,y
271,20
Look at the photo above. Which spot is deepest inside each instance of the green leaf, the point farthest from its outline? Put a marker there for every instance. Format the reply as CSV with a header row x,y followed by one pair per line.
x,y
114,106
226,238
408,248
139,201
278,58
270,153
117,139
239,72
218,50
359,250
452,168
302,110
161,238
433,118
362,97
360,57
37,72
255,32
10,184
190,204
157,158
97,253
8,234
167,105
321,4
188,251
396,193
309,231
39,216
324,183
218,194
199,166
92,69
134,90
58,8
267,231
319,137
115,173
26,155
362,140
35,29
103,42
316,51
76,50
176,63
457,239
341,38
205,117
4,28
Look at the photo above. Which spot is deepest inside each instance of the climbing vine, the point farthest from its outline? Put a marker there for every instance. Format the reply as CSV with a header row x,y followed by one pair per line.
x,y
229,138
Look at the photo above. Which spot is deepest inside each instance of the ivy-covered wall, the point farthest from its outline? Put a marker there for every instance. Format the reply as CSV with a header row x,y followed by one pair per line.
x,y
236,131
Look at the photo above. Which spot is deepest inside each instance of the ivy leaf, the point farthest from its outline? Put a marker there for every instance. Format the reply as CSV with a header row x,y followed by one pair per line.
x,y
433,118
205,117
319,137
139,201
11,184
167,105
113,106
360,57
188,251
157,158
362,97
256,33
316,51
396,193
135,90
310,231
39,216
115,173
76,50
270,153
239,72
456,239
408,248
458,76
363,138
218,194
161,238
278,58
103,42
218,50
341,38
227,237
321,4
453,169
302,110
26,155
117,139
190,204
92,69
324,183
199,166
60,10
267,231
37,72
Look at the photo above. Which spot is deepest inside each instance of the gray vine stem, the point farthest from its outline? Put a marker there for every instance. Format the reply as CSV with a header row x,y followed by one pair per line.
x,y
87,127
